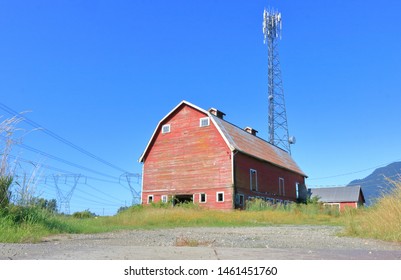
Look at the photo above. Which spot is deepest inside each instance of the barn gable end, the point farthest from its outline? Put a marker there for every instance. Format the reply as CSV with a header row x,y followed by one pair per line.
x,y
192,159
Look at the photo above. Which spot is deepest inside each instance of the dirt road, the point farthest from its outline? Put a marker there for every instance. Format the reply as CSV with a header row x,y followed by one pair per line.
x,y
274,243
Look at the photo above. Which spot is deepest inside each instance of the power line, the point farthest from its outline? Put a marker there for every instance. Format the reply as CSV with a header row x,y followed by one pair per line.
x,y
59,138
393,177
99,191
105,201
353,172
64,172
53,191
63,160
42,165
96,202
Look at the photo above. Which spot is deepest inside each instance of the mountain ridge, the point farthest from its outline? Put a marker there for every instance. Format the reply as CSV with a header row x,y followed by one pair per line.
x,y
379,182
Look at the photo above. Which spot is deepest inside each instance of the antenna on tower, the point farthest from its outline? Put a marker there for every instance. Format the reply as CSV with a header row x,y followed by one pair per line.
x,y
278,126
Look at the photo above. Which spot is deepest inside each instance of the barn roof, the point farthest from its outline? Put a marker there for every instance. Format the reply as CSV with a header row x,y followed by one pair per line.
x,y
238,139
243,141
337,194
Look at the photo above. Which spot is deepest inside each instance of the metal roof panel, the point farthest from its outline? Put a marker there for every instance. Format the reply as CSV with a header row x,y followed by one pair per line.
x,y
255,146
336,194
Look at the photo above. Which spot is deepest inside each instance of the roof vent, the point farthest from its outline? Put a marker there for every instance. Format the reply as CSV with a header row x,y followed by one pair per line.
x,y
251,130
217,113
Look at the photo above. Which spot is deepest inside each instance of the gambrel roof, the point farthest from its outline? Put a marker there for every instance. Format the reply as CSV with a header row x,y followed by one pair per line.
x,y
239,140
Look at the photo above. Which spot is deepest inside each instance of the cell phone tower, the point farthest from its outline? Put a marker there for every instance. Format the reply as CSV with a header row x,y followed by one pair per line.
x,y
278,126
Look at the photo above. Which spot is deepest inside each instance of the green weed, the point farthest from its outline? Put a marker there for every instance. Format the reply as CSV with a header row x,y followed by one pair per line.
x,y
382,221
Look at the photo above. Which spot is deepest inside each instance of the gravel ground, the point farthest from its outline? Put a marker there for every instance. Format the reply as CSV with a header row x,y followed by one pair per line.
x,y
275,242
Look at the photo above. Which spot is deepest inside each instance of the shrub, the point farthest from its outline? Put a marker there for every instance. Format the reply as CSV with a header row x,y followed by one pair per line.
x,y
122,209
161,204
257,205
19,215
84,214
186,205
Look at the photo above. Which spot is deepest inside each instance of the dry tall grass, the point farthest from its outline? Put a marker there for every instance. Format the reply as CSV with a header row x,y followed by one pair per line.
x,y
380,221
148,217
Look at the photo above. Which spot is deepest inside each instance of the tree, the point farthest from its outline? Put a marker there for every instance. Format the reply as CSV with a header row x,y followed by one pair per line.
x,y
49,205
121,209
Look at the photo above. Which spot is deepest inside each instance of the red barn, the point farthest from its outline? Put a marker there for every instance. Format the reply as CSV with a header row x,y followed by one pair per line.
x,y
196,155
339,197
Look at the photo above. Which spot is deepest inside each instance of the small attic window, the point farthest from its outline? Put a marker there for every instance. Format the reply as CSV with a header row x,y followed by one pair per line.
x,y
204,122
165,128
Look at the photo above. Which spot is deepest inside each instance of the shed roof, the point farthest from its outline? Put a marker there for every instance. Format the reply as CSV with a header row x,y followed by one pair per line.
x,y
337,194
238,139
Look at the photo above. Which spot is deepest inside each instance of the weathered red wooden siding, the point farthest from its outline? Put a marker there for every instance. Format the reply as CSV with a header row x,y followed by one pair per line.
x,y
268,178
188,160
351,204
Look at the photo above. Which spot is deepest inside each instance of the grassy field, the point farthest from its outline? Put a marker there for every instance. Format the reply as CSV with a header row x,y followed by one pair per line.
x,y
382,221
31,224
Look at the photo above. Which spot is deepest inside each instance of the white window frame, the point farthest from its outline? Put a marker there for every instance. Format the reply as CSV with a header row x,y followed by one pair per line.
x,y
164,198
253,171
297,190
166,128
200,198
151,198
333,204
217,196
201,122
281,190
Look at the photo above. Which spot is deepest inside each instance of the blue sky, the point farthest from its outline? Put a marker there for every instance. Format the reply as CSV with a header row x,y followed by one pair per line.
x,y
101,74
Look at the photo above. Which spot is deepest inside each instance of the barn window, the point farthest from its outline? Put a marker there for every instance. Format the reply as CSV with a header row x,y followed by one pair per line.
x,y
164,198
253,174
204,122
220,196
202,198
150,199
332,206
165,128
297,189
281,189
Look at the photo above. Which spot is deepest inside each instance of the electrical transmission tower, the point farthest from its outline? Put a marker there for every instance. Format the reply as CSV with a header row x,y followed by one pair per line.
x,y
64,198
134,183
278,126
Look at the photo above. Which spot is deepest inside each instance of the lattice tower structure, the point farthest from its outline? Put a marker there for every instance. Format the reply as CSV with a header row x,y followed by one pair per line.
x,y
277,115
